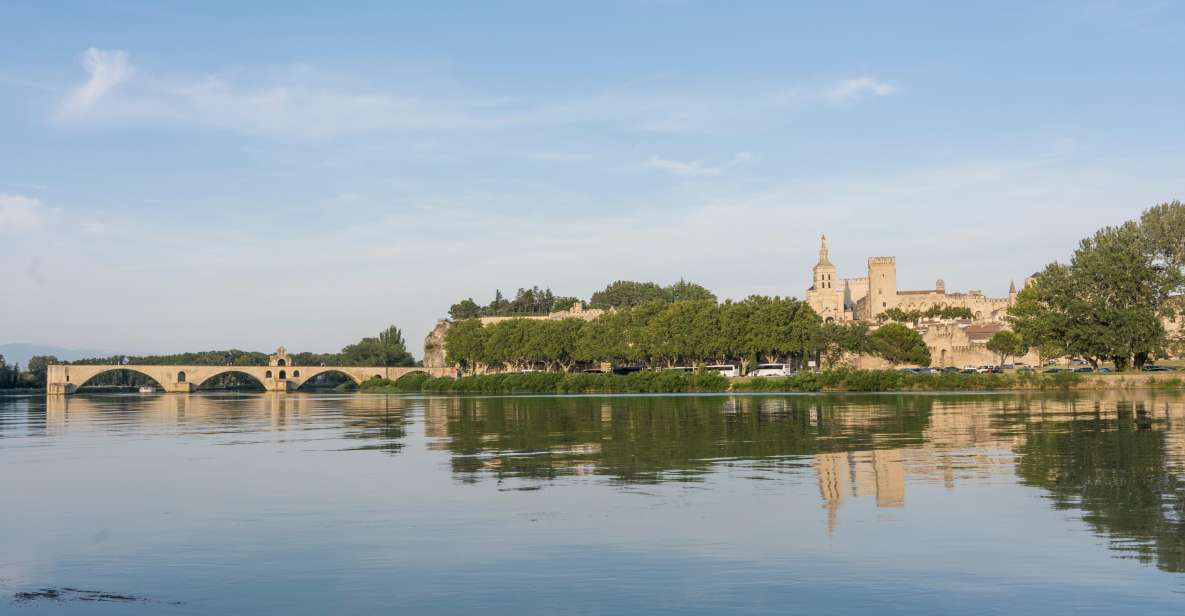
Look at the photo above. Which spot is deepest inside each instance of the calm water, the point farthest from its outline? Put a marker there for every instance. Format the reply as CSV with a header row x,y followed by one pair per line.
x,y
320,504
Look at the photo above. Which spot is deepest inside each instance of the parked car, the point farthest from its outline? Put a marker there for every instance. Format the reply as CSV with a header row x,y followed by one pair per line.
x,y
1078,361
679,369
1055,369
771,370
593,371
626,369
1103,369
1084,369
727,370
1155,368
951,369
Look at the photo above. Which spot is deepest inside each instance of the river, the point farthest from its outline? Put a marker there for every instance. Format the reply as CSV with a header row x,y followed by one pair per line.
x,y
698,504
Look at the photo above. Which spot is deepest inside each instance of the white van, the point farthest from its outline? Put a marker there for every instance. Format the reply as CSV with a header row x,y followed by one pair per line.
x,y
727,370
771,370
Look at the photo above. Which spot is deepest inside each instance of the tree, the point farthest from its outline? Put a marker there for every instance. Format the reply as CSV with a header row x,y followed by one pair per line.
x,y
837,340
564,303
387,349
1006,343
464,309
683,332
626,293
1036,319
898,344
684,291
736,333
465,344
898,315
38,366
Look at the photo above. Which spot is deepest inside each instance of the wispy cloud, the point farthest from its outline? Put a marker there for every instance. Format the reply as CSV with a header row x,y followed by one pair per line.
x,y
19,214
856,89
695,168
106,69
304,103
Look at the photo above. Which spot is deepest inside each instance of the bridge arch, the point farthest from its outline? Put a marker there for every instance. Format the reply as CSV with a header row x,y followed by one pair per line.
x,y
302,377
155,379
243,370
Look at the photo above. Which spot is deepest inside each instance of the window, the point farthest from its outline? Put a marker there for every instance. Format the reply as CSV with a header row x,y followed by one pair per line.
x,y
296,374
282,375
181,377
281,363
267,374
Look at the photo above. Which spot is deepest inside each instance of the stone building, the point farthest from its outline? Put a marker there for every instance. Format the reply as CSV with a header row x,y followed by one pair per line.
x,y
862,299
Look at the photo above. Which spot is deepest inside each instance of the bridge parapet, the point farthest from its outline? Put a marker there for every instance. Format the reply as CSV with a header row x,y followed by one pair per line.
x,y
62,379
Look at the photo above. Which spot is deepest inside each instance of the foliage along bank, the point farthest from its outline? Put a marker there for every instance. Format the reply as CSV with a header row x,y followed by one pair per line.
x,y
696,332
837,380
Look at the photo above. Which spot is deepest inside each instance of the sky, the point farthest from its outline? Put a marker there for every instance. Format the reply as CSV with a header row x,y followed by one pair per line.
x,y
188,176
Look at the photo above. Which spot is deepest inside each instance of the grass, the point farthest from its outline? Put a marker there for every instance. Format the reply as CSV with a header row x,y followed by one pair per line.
x,y
842,379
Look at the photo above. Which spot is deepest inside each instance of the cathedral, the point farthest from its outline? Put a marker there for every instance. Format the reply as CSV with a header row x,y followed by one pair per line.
x,y
862,299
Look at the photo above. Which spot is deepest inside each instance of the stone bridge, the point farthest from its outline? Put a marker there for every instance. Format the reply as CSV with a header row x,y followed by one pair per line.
x,y
279,375
65,379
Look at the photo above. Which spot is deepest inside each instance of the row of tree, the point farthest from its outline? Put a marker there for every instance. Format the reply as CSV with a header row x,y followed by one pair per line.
x,y
1119,299
933,312
532,301
620,294
658,333
11,376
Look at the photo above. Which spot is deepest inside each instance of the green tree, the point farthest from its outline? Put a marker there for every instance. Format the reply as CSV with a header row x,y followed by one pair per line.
x,y
1006,343
898,344
898,315
1037,320
839,339
464,309
683,331
38,366
465,344
387,349
564,303
684,291
736,333
626,293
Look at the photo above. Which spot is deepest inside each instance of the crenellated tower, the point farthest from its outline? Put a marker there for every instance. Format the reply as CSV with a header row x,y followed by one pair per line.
x,y
882,286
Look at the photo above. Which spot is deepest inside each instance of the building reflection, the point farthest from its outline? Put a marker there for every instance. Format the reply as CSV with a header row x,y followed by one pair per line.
x,y
1116,457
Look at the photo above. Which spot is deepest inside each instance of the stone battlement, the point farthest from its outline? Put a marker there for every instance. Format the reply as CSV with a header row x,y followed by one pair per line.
x,y
882,260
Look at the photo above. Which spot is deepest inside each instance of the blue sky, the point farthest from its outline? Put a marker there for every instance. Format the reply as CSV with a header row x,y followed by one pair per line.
x,y
193,176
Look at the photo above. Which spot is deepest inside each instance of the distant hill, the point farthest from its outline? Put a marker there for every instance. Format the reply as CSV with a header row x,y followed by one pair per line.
x,y
20,352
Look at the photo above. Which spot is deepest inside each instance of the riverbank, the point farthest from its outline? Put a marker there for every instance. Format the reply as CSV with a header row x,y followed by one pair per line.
x,y
839,380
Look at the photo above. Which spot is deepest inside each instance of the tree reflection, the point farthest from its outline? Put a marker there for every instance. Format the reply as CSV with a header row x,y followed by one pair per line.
x,y
653,439
1115,468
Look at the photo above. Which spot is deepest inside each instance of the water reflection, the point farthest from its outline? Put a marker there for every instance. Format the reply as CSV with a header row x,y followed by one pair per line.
x,y
1117,460
837,465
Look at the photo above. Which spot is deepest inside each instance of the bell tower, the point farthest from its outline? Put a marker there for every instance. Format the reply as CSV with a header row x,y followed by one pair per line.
x,y
824,296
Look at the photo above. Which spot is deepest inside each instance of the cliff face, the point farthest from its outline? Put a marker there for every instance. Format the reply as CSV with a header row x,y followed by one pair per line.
x,y
434,356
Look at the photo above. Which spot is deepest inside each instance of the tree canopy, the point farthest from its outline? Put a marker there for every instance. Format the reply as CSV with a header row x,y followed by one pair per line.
x,y
898,344
1112,300
655,333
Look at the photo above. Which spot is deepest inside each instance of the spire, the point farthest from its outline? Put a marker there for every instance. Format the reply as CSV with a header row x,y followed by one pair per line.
x,y
823,260
1011,287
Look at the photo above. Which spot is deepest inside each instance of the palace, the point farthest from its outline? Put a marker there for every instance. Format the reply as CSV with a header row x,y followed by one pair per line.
x,y
862,299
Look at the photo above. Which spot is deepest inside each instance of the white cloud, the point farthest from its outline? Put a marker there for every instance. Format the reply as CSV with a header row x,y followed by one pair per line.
x,y
694,168
856,89
304,103
18,214
106,69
